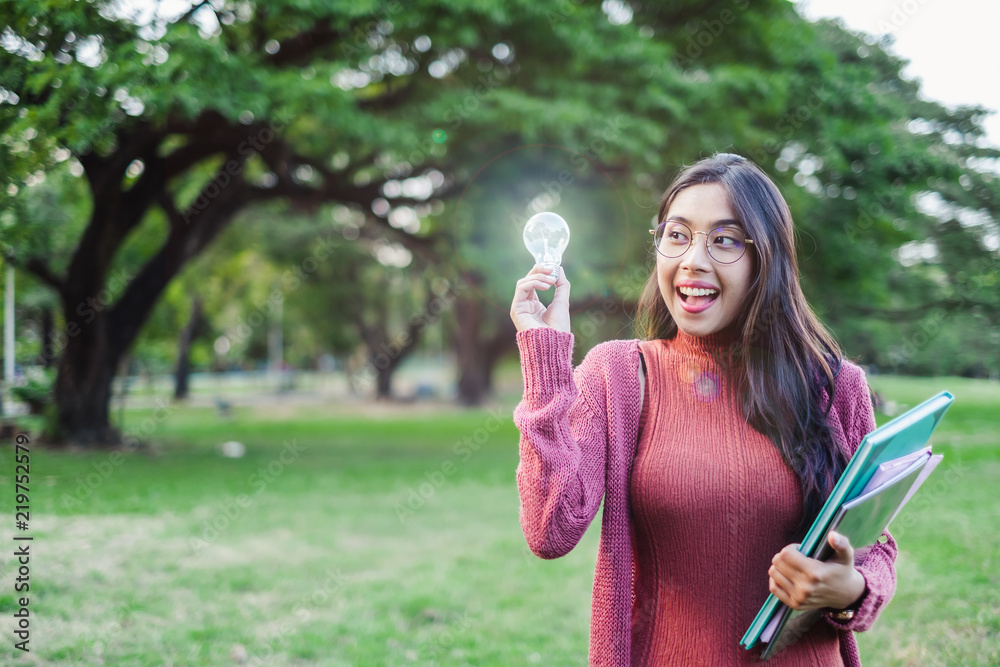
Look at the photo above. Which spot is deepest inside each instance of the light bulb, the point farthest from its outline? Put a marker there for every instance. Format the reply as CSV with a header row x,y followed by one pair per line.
x,y
546,236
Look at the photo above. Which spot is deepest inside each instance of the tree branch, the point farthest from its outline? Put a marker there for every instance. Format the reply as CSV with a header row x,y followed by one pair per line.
x,y
191,12
45,274
220,183
390,100
132,309
174,216
295,50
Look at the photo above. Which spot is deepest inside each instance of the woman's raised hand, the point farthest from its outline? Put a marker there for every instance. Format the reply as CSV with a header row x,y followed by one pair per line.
x,y
529,313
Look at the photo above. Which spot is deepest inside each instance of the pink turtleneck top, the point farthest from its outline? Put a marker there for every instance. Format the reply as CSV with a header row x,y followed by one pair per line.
x,y
712,501
692,514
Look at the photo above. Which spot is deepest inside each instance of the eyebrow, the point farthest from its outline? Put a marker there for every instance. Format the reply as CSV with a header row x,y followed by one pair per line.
x,y
717,223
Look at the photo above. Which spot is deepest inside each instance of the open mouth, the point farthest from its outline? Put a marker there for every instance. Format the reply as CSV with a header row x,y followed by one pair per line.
x,y
697,296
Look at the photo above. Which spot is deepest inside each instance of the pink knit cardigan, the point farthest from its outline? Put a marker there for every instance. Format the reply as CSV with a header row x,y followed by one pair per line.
x,y
579,430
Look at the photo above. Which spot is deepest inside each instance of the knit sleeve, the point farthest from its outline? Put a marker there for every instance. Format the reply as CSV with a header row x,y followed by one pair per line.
x,y
877,562
563,445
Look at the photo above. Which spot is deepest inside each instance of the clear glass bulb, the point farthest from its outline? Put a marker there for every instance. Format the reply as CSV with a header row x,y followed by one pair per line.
x,y
546,236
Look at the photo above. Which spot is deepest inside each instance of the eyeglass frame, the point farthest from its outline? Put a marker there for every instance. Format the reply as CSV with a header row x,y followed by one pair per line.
x,y
708,247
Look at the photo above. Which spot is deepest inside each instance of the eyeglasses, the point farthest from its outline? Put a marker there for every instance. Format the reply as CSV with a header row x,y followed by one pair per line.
x,y
725,244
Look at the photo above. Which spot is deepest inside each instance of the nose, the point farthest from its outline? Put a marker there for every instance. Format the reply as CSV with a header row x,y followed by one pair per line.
x,y
696,257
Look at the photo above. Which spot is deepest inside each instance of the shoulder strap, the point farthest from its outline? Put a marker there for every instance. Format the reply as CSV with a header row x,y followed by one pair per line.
x,y
642,408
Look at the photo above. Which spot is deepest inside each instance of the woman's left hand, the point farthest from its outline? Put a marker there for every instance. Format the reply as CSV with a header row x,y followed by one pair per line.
x,y
806,583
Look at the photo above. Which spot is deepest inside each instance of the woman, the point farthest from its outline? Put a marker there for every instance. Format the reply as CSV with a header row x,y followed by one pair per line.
x,y
713,441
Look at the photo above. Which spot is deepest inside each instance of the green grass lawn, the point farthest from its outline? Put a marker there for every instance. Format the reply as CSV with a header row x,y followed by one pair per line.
x,y
364,536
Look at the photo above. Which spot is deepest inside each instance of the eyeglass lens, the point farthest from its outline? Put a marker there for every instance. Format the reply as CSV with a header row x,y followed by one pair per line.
x,y
725,244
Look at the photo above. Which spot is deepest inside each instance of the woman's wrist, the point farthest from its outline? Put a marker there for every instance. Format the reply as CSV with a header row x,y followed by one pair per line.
x,y
858,590
855,594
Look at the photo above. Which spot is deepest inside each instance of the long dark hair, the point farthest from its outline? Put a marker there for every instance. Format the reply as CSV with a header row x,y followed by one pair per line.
x,y
784,358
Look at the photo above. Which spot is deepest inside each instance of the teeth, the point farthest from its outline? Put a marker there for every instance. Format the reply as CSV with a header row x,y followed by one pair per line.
x,y
697,291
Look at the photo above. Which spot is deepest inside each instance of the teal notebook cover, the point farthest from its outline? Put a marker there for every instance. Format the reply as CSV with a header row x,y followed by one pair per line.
x,y
861,521
903,435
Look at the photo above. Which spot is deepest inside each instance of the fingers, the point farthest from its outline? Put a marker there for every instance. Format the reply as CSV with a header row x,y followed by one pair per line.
x,y
542,271
844,552
525,289
562,289
540,278
791,561
527,311
793,576
795,588
780,586
806,583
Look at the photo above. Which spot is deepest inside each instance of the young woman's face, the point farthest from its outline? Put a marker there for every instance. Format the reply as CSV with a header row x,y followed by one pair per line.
x,y
703,208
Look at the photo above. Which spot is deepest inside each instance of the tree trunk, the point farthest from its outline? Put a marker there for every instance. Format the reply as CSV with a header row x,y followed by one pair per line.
x,y
385,353
478,352
47,356
383,383
104,314
504,341
100,334
82,389
188,335
473,379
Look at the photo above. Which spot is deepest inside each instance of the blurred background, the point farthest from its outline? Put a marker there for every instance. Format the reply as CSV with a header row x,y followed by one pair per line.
x,y
257,263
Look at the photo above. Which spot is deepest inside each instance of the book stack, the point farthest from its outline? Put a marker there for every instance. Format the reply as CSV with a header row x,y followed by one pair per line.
x,y
888,467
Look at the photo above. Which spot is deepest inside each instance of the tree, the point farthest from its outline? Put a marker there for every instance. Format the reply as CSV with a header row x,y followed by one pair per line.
x,y
180,124
378,304
191,120
194,326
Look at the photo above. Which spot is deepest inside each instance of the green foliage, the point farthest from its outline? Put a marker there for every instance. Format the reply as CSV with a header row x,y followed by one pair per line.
x,y
36,390
346,104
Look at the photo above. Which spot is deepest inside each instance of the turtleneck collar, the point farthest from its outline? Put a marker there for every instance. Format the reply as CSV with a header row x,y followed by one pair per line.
x,y
713,344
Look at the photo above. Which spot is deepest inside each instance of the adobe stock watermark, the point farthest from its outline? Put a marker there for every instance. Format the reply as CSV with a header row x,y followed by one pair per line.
x,y
565,10
230,510
581,160
871,213
899,16
550,190
788,124
358,42
435,479
123,616
111,124
486,85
